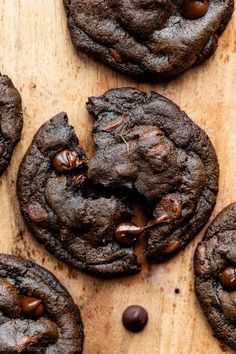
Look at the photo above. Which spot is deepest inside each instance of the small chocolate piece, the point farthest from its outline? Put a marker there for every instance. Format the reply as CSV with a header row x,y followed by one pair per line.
x,y
228,278
32,307
67,160
135,318
25,343
10,304
116,55
172,247
127,233
150,133
194,9
37,213
79,179
113,124
168,209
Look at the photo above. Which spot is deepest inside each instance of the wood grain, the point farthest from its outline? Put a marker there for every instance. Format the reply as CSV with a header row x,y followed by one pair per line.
x,y
36,52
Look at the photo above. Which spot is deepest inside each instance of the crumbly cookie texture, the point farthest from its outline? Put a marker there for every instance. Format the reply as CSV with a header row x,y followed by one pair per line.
x,y
147,151
154,37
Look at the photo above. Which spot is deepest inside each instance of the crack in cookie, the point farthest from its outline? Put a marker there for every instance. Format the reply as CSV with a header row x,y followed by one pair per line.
x,y
147,151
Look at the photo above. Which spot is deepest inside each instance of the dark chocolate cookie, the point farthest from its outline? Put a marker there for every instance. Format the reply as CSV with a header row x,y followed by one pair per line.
x,y
11,120
37,314
148,37
215,275
147,150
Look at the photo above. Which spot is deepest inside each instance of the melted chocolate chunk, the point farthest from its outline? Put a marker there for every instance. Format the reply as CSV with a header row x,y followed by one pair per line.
x,y
194,9
32,307
127,233
153,38
228,278
48,323
67,160
37,213
146,151
215,275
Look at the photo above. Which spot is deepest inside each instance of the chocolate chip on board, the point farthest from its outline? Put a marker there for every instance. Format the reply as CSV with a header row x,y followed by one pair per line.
x,y
135,318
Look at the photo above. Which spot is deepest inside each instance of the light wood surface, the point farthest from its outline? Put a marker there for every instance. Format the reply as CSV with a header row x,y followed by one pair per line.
x,y
36,52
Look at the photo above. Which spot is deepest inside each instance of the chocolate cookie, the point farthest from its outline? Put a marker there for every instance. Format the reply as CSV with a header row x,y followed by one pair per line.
x,y
147,151
37,314
215,275
11,120
148,37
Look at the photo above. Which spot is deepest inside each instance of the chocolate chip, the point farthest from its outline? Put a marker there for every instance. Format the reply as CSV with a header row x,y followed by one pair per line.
x,y
127,233
67,160
201,262
25,343
194,9
10,301
172,247
158,149
113,124
32,307
168,209
154,132
37,213
116,55
135,318
176,290
228,278
79,179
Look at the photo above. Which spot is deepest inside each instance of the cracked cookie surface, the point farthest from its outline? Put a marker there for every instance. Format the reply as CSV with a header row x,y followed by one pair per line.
x,y
37,314
11,120
146,38
147,151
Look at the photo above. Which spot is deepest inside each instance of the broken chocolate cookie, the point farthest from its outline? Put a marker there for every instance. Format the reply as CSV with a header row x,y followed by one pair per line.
x,y
148,37
37,314
11,120
147,151
215,275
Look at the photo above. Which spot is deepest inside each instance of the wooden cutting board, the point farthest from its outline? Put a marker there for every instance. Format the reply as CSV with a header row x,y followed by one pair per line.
x,y
36,52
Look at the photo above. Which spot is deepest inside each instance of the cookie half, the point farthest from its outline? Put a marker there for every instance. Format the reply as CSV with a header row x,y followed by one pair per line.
x,y
11,120
147,151
153,37
215,275
37,313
